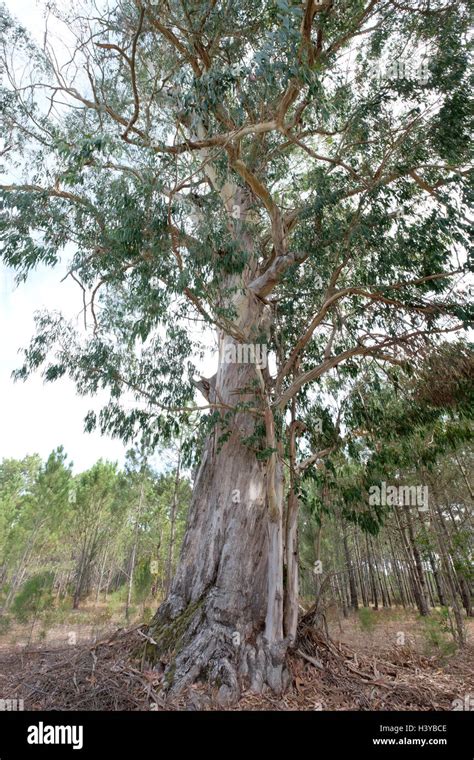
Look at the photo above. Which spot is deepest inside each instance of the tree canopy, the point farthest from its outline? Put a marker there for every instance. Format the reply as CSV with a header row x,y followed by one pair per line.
x,y
316,155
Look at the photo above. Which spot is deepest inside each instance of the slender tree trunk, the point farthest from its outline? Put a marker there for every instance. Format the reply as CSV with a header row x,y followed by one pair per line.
x,y
424,610
466,596
459,632
385,581
350,569
371,573
317,557
174,506
291,552
396,570
133,556
340,595
459,559
429,584
101,574
291,542
88,551
412,576
360,569
79,581
439,588
20,570
107,585
466,479
380,574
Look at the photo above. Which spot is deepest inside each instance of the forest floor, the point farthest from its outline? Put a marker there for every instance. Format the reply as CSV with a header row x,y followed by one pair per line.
x,y
374,660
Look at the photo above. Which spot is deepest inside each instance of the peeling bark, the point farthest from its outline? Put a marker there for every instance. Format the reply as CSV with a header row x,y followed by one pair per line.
x,y
222,621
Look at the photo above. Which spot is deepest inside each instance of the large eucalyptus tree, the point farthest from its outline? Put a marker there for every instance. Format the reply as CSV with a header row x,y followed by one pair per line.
x,y
293,176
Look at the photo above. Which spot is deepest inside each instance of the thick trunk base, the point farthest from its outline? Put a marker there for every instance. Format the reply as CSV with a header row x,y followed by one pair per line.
x,y
222,621
193,647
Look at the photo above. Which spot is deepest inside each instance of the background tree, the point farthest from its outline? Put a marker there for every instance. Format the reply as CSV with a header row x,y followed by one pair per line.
x,y
94,498
16,480
40,512
75,537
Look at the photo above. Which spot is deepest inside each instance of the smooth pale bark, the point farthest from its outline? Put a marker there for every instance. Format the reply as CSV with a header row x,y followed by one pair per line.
x,y
154,587
291,545
317,556
292,586
109,581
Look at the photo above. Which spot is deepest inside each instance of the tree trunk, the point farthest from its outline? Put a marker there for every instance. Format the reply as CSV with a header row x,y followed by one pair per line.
x,y
397,572
424,609
223,617
174,506
317,557
79,581
350,569
417,592
134,547
458,631
291,544
20,569
291,550
436,576
466,596
360,570
372,576
101,574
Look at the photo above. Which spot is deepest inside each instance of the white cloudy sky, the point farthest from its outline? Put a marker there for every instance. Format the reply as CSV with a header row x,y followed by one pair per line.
x,y
37,417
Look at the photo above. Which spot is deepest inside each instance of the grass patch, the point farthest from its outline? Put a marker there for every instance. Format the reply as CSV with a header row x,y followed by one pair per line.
x,y
368,619
437,632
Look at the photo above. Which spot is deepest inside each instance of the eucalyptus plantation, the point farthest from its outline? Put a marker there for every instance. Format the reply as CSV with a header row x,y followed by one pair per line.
x,y
284,181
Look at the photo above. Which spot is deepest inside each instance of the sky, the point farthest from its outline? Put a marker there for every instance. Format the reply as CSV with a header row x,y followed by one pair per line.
x,y
36,417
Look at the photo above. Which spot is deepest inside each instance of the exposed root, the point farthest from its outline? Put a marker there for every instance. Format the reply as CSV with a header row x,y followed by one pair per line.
x,y
191,649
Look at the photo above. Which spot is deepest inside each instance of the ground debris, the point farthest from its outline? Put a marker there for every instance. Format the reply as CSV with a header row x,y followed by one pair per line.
x,y
326,674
